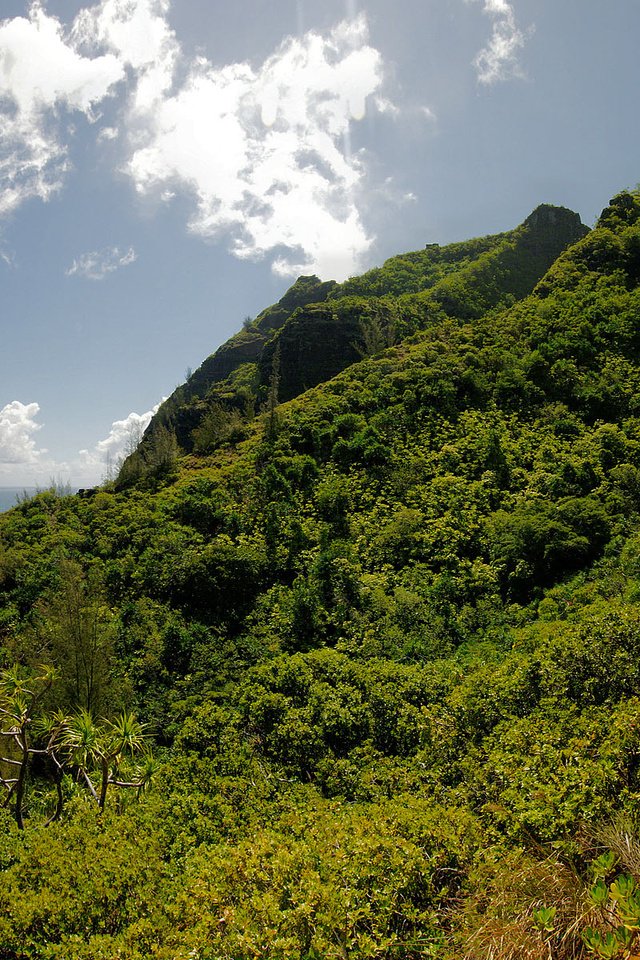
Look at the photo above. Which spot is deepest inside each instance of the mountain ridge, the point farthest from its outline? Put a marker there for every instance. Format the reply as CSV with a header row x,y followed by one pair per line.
x,y
385,636
320,327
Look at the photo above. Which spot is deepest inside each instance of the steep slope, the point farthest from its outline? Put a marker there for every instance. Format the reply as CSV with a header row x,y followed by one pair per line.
x,y
462,281
181,411
388,642
319,328
534,245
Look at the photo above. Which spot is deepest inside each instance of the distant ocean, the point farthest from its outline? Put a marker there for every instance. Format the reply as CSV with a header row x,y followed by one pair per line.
x,y
9,496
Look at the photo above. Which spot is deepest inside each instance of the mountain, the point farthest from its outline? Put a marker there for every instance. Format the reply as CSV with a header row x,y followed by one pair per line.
x,y
183,410
384,633
318,328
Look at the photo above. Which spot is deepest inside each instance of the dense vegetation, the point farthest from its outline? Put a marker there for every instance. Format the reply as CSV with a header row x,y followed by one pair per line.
x,y
317,329
382,639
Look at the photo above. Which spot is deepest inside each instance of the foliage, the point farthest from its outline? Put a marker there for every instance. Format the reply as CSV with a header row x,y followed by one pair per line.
x,y
383,632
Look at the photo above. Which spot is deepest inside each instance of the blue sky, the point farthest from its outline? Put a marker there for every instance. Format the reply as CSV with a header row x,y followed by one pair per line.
x,y
167,169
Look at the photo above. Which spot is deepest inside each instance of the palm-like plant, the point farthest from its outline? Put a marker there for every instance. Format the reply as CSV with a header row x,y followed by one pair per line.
x,y
126,734
82,745
101,748
96,750
48,729
20,698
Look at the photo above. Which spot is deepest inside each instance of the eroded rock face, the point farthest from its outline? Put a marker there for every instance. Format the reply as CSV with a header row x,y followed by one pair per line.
x,y
548,215
320,340
247,345
305,290
547,232
314,345
320,328
182,411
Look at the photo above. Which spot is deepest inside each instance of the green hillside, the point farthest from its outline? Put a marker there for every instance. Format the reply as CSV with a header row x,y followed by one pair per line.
x,y
319,329
381,623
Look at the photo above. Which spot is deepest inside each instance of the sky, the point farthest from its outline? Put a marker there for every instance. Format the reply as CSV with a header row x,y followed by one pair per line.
x,y
169,168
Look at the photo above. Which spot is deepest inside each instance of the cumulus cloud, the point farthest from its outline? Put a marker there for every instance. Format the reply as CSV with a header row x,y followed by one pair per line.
x,y
41,75
125,435
17,428
22,461
97,264
499,59
137,33
106,456
264,151
107,133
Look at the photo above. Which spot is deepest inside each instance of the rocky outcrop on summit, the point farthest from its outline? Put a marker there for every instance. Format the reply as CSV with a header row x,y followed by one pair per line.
x,y
320,340
317,329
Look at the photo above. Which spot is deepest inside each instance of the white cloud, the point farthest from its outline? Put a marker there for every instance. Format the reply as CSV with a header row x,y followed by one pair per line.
x,y
499,59
40,75
106,456
384,105
125,435
428,114
108,133
17,427
264,151
97,264
22,461
137,33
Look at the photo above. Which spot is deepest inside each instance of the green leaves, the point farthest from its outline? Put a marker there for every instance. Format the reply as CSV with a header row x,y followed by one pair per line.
x,y
599,893
544,918
622,888
606,946
94,749
102,747
82,739
620,905
626,896
422,586
124,736
603,865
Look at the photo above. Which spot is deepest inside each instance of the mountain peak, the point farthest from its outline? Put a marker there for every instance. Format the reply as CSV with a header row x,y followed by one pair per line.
x,y
319,328
547,215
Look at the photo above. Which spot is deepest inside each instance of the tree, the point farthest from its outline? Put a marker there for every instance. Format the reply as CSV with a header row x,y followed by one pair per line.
x,y
376,334
161,453
272,423
218,426
20,699
80,632
98,750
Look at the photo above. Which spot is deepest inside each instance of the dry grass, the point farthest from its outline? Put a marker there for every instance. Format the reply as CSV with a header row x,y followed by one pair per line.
x,y
620,836
496,921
